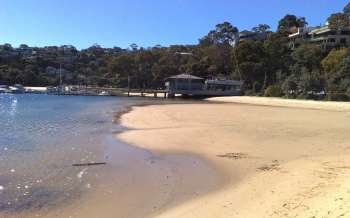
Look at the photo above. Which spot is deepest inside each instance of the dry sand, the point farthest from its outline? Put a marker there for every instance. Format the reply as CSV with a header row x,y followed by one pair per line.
x,y
268,161
280,102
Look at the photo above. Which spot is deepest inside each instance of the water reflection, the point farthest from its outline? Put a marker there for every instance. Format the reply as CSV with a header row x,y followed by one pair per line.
x,y
13,106
8,104
41,137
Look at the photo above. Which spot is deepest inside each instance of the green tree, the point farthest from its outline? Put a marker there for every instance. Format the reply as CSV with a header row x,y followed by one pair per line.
x,y
310,84
278,56
223,33
289,21
333,61
338,82
290,86
249,62
261,28
23,46
338,21
273,91
308,55
122,67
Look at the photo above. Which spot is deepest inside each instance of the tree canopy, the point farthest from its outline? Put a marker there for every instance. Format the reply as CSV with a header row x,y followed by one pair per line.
x,y
289,21
223,33
261,28
338,21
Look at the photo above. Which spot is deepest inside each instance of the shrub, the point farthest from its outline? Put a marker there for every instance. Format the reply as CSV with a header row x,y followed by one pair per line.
x,y
337,97
249,93
273,91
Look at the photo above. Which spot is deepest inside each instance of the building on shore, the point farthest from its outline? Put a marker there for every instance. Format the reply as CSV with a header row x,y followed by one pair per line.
x,y
326,37
184,82
252,36
300,35
329,38
189,85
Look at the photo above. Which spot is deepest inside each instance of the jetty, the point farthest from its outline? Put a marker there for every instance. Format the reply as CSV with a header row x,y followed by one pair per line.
x,y
104,91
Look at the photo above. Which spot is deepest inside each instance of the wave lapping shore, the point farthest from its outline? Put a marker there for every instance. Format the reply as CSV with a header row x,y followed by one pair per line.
x,y
274,161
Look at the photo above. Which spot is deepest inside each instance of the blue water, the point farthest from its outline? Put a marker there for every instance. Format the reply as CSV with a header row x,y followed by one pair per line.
x,y
41,136
29,122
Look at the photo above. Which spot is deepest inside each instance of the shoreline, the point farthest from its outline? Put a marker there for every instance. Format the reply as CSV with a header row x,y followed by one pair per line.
x,y
257,172
180,159
282,102
148,183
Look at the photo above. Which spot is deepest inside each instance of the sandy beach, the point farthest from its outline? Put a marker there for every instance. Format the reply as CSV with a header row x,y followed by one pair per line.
x,y
268,160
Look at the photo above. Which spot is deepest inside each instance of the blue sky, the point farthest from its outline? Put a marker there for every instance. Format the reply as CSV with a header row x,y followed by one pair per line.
x,y
145,22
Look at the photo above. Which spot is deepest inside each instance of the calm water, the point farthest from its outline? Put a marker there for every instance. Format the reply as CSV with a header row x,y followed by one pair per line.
x,y
41,137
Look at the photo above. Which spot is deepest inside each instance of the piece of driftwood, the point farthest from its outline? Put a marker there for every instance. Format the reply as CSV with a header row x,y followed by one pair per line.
x,y
88,164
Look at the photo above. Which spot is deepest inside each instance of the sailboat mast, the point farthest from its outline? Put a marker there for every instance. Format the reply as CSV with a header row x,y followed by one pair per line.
x,y
61,75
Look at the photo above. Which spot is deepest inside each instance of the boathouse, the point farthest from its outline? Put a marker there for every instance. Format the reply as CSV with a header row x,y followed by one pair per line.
x,y
189,85
184,83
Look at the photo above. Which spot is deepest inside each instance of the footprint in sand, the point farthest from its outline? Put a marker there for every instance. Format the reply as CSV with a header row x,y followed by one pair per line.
x,y
234,156
270,167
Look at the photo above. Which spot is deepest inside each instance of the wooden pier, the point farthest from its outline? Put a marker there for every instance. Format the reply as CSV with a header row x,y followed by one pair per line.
x,y
102,91
144,92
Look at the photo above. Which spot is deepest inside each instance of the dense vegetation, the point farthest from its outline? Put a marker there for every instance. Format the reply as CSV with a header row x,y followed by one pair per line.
x,y
269,67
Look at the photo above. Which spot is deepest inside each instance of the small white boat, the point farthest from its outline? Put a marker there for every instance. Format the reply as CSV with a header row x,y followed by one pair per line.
x,y
103,93
3,90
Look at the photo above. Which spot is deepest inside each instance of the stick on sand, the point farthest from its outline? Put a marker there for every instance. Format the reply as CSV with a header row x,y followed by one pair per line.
x,y
88,164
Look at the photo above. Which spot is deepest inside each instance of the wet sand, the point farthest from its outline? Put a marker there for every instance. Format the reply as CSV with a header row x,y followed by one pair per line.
x,y
266,161
134,183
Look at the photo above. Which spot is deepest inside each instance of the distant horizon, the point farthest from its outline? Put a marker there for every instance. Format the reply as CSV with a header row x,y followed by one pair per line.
x,y
40,23
80,49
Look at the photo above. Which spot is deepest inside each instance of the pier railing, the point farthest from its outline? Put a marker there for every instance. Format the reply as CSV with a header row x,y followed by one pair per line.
x,y
106,91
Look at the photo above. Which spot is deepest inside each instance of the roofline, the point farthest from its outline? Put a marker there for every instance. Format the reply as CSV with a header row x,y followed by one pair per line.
x,y
189,76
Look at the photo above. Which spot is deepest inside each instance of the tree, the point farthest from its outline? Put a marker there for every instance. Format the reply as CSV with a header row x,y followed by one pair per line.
x,y
144,61
273,91
290,86
7,47
308,55
277,54
250,63
224,33
261,28
289,21
338,83
310,84
302,22
338,21
217,58
134,46
23,46
121,68
333,62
